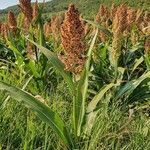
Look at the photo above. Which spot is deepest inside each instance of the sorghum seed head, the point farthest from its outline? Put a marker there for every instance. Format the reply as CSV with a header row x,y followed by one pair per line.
x,y
118,27
146,19
131,17
12,23
72,34
120,20
56,22
47,29
4,31
35,11
30,51
139,19
113,11
26,8
147,46
102,15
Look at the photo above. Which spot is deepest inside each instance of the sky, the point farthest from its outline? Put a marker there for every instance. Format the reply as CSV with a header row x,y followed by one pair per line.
x,y
7,3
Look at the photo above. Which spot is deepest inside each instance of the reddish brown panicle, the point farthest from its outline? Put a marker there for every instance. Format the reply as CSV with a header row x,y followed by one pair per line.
x,y
103,14
72,34
56,22
139,19
131,17
26,8
4,31
30,51
146,19
47,29
12,23
35,10
103,18
113,11
120,20
147,46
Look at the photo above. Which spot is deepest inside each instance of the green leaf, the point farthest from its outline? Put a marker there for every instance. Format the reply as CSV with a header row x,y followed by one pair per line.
x,y
57,64
137,63
33,69
41,110
91,116
129,87
121,72
92,105
103,29
79,101
147,60
135,47
13,48
3,105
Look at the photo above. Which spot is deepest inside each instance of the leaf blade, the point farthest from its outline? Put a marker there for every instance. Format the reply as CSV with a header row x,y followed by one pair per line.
x,y
41,110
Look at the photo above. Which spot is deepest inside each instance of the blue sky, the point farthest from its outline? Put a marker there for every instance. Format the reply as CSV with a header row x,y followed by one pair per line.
x,y
7,3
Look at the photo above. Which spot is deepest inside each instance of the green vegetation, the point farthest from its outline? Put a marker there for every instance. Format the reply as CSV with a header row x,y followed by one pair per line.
x,y
75,89
87,7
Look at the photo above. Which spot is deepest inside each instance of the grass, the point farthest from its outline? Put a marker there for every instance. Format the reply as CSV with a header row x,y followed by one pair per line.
x,y
21,129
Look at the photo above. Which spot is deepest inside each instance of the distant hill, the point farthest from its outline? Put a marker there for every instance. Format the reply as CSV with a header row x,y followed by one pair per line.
x,y
88,8
14,8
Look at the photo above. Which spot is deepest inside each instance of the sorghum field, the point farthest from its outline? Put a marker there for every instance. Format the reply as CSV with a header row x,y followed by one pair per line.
x,y
68,83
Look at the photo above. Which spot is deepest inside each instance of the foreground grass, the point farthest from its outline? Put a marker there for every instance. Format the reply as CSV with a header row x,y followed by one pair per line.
x,y
20,129
114,129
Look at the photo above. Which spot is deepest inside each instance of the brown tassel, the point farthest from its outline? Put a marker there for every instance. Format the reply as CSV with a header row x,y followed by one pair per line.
x,y
26,8
12,23
72,34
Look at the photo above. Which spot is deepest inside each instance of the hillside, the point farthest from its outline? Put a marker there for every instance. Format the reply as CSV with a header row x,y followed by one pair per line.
x,y
87,7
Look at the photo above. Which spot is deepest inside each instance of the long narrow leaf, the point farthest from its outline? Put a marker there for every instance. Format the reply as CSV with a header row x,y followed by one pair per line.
x,y
92,105
3,105
41,110
91,117
129,87
57,64
99,27
79,103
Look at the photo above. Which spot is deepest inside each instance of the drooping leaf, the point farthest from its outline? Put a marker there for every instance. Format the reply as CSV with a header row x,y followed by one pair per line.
x,y
57,64
103,29
3,105
137,63
129,87
41,110
92,105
